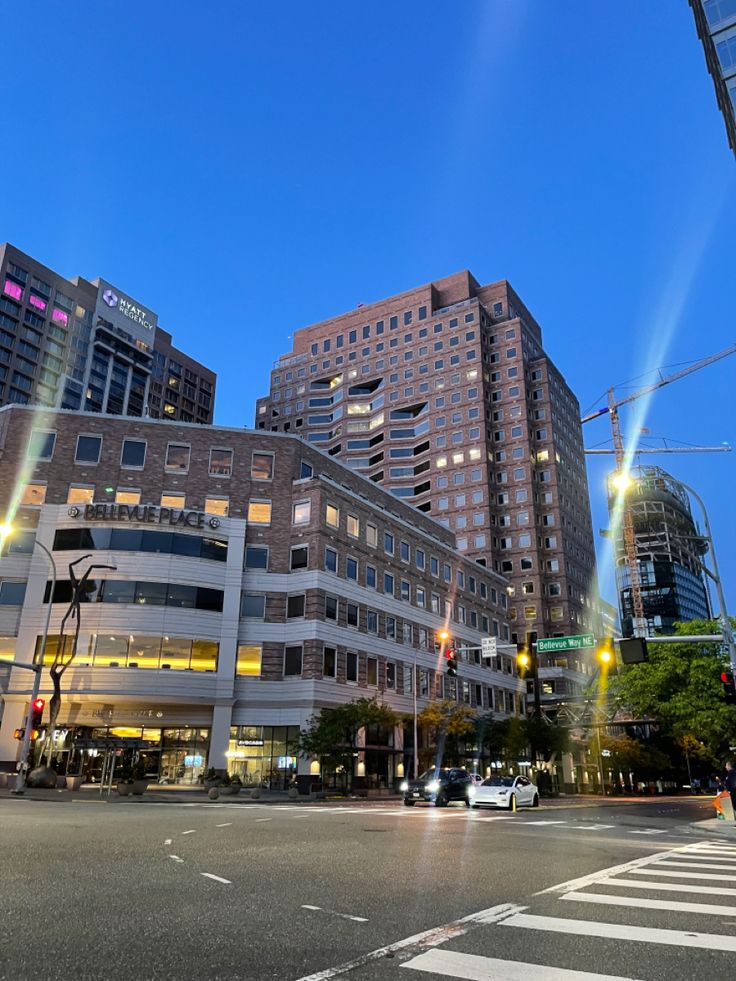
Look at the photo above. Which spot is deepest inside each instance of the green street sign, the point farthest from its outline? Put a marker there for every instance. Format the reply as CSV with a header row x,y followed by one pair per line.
x,y
549,645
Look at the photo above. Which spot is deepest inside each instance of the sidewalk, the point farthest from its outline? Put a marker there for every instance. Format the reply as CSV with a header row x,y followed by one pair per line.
x,y
725,829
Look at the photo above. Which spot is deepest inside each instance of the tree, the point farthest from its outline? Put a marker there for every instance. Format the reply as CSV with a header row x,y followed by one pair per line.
x,y
332,735
443,720
680,686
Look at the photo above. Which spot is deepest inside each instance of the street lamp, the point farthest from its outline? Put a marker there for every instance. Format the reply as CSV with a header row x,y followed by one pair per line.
x,y
6,530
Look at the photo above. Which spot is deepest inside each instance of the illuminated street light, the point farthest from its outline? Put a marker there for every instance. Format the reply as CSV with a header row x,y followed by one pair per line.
x,y
443,635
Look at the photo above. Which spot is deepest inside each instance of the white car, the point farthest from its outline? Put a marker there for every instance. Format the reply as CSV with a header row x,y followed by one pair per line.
x,y
508,792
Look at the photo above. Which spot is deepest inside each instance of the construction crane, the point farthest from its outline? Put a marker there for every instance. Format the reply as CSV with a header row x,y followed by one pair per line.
x,y
664,449
619,452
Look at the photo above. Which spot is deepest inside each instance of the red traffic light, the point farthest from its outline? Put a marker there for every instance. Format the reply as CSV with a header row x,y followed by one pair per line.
x,y
450,654
726,677
38,704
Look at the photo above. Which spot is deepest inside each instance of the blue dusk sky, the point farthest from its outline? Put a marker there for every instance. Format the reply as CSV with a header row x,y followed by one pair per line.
x,y
248,169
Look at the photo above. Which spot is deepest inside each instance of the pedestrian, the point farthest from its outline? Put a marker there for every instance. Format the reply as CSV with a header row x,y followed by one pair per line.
x,y
729,784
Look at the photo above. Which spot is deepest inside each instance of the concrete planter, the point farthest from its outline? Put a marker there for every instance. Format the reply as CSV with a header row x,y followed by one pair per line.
x,y
61,782
73,783
124,789
138,787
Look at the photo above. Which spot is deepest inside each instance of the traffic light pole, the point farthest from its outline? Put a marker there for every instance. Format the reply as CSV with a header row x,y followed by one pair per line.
x,y
20,780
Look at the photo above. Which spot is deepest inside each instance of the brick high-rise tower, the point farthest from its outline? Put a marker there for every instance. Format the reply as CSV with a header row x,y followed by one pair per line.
x,y
445,395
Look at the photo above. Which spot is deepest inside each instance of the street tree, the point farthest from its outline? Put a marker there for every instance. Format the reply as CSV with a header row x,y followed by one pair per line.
x,y
446,722
680,687
332,735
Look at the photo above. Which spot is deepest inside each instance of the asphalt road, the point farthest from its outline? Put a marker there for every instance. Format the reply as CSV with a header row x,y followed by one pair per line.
x,y
229,891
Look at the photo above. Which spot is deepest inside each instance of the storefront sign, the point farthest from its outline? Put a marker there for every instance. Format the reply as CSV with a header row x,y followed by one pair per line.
x,y
250,742
149,514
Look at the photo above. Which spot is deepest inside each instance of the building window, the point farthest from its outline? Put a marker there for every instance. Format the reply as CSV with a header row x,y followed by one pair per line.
x,y
371,535
388,583
352,615
371,621
299,557
301,513
329,662
256,557
404,551
249,661
405,591
332,516
351,667
259,512
351,569
88,449
391,628
133,454
371,672
33,495
41,445
331,560
295,606
292,661
261,467
124,495
353,526
173,501
331,607
221,463
253,606
370,577
80,495
177,457
217,505
12,593
388,543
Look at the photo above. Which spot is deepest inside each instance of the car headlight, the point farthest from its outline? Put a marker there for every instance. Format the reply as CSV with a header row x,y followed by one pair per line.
x,y
433,785
471,791
404,786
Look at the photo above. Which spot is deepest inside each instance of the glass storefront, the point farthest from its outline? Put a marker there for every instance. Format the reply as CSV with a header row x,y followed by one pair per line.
x,y
263,756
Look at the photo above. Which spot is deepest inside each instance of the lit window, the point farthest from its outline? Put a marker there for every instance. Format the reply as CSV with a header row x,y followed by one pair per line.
x,y
353,526
371,535
133,454
458,458
127,497
301,513
261,467
177,457
169,409
332,516
217,505
221,463
542,456
249,661
80,495
441,461
173,501
33,494
259,512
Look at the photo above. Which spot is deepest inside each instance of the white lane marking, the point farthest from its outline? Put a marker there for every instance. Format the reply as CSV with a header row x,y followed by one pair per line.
x,y
217,878
192,832
700,855
540,823
175,858
470,967
167,841
641,903
649,831
621,931
669,887
261,820
428,938
714,850
499,817
682,875
332,912
227,824
593,827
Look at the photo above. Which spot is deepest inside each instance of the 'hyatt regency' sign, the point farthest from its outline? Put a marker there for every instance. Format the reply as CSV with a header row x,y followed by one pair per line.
x,y
146,513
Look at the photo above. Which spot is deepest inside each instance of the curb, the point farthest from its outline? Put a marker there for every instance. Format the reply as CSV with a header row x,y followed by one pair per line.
x,y
721,829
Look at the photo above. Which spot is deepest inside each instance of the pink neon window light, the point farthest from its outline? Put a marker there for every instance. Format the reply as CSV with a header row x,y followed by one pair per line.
x,y
12,289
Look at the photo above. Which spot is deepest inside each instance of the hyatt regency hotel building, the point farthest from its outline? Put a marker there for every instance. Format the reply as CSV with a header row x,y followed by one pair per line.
x,y
247,579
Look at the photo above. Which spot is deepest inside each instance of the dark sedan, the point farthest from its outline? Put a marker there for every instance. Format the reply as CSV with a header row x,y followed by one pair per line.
x,y
438,787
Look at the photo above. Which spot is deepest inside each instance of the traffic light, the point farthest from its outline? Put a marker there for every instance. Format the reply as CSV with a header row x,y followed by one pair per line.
x,y
633,650
605,655
523,658
37,712
451,662
729,688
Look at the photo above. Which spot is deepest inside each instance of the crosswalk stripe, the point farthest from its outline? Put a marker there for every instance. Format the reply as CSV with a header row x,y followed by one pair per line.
x,y
649,831
696,865
540,823
699,856
649,870
471,967
638,902
714,850
593,827
621,931
669,887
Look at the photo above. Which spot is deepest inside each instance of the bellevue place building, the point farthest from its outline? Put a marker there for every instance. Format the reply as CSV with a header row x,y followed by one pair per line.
x,y
715,21
445,396
669,553
256,580
74,344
